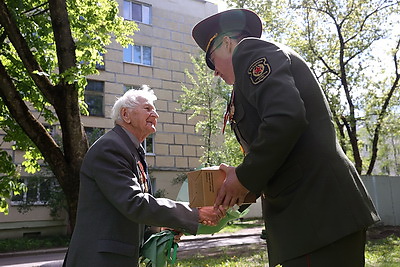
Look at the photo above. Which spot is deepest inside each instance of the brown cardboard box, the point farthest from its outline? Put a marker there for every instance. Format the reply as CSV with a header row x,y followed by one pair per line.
x,y
204,185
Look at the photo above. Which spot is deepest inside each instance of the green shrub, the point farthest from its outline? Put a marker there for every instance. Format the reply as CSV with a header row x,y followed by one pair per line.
x,y
32,243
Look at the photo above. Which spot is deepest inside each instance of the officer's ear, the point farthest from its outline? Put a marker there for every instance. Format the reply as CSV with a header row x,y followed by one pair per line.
x,y
229,43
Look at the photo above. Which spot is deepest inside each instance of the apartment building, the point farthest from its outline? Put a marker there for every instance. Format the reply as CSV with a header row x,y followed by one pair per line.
x,y
158,58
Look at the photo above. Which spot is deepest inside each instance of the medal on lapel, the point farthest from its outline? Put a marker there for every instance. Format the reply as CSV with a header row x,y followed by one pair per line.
x,y
230,111
143,177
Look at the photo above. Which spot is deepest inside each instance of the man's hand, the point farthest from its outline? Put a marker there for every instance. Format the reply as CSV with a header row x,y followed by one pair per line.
x,y
232,191
210,215
177,236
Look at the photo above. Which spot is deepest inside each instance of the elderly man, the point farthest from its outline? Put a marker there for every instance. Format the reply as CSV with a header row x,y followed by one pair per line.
x,y
316,208
115,201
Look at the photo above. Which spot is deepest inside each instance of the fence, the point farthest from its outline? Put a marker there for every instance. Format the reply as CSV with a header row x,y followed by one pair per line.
x,y
384,191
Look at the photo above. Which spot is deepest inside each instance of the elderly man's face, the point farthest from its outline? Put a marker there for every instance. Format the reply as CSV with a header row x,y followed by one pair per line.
x,y
141,120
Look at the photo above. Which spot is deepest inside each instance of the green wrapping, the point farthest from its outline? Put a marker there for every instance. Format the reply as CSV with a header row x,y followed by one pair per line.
x,y
159,250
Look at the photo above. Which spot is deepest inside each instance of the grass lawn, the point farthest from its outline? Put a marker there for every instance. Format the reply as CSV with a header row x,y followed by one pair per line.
x,y
379,253
382,250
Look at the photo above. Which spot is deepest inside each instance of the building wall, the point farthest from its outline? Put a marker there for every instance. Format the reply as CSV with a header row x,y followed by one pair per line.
x,y
177,147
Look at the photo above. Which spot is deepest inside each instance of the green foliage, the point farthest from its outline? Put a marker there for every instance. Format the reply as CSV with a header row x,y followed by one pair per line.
x,y
207,99
9,181
94,24
32,243
179,179
229,152
383,252
160,193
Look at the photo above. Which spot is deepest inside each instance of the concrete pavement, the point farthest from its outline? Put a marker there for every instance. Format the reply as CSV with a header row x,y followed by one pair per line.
x,y
189,246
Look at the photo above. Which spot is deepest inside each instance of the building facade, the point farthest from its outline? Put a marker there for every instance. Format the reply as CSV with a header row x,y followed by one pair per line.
x,y
158,58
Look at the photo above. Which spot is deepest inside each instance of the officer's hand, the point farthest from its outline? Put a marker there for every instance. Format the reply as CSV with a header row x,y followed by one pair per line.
x,y
211,216
232,191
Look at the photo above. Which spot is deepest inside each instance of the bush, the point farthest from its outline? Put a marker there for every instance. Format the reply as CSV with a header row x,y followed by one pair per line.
x,y
32,243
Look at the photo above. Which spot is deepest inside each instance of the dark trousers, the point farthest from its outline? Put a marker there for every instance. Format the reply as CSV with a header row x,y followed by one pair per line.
x,y
346,252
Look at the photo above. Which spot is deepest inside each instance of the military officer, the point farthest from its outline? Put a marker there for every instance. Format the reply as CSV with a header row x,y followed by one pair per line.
x,y
315,206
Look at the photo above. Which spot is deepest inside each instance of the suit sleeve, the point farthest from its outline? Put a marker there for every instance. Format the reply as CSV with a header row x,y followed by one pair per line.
x,y
271,91
112,169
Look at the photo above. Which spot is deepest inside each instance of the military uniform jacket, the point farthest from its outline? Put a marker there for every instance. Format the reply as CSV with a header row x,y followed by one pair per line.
x,y
313,194
113,208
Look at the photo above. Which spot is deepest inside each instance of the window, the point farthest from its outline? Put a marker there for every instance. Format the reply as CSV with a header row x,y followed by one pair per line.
x,y
94,94
137,12
138,54
129,87
148,144
38,191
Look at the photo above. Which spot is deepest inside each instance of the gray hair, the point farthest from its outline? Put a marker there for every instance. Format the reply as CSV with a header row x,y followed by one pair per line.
x,y
129,100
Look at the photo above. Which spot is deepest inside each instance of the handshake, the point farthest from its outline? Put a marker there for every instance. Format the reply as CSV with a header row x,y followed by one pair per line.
x,y
210,215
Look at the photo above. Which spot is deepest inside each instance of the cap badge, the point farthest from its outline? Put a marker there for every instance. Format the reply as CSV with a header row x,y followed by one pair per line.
x,y
259,70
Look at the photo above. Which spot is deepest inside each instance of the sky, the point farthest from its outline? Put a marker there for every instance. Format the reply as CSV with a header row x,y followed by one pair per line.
x,y
221,4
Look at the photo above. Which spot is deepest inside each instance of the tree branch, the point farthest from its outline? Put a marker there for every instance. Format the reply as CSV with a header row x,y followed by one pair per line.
x,y
367,16
62,34
14,35
354,145
66,100
383,112
29,124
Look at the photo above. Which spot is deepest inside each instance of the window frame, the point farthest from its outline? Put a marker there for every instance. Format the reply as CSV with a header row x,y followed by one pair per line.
x,y
127,11
148,139
131,50
38,183
94,93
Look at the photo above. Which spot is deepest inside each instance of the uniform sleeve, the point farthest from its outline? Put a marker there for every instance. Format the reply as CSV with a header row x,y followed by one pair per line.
x,y
263,75
112,169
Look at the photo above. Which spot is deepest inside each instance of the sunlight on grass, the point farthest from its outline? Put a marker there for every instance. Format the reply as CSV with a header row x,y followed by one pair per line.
x,y
383,252
379,253
258,259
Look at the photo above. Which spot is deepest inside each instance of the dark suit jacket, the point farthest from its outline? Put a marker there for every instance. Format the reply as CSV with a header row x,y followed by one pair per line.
x,y
313,194
113,209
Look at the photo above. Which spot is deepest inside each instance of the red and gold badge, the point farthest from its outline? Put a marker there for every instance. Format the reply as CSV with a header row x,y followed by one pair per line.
x,y
259,70
143,177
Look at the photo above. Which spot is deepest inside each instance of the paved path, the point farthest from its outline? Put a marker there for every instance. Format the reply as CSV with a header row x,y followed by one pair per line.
x,y
189,245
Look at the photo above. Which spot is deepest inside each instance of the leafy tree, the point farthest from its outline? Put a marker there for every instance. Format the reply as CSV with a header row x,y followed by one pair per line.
x,y
48,48
207,98
338,39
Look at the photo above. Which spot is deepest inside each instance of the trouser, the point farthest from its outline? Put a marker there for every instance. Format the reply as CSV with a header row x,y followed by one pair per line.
x,y
346,252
